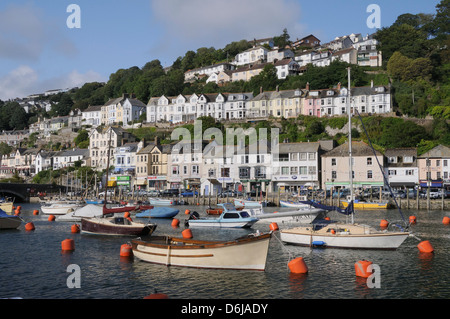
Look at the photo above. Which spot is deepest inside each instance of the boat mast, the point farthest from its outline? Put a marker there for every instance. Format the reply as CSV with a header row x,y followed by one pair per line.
x,y
350,141
107,164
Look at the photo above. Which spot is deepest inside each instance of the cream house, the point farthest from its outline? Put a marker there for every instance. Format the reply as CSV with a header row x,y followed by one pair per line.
x,y
366,172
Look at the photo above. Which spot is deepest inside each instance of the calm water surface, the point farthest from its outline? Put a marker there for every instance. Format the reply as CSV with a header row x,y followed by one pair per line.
x,y
34,267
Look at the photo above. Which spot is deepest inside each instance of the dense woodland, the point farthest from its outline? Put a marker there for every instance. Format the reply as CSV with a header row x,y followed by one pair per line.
x,y
416,63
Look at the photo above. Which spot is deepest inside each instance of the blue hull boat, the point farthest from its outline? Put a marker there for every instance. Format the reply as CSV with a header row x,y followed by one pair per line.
x,y
159,212
94,201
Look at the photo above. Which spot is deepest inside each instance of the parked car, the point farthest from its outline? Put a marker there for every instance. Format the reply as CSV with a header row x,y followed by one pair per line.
x,y
188,193
170,192
153,193
227,193
102,194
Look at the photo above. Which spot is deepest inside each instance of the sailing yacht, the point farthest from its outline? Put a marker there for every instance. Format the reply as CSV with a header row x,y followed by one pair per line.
x,y
344,235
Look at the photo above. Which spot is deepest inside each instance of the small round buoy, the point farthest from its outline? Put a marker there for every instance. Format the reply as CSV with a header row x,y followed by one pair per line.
x,y
175,222
68,245
425,247
51,218
446,220
275,212
29,226
75,228
274,226
187,212
333,231
361,268
17,212
384,223
298,266
126,251
187,233
35,212
127,214
412,219
327,218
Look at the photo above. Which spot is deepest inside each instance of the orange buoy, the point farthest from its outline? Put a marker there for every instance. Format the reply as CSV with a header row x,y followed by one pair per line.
x,y
327,218
19,207
425,247
275,212
361,268
126,251
187,233
175,222
17,212
333,231
29,226
127,214
68,245
35,212
75,228
274,226
51,218
412,219
446,220
384,223
187,212
298,266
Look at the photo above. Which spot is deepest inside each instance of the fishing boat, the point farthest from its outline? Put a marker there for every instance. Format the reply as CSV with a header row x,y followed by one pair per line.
x,y
159,212
214,211
248,203
161,202
245,253
9,221
116,226
59,208
230,218
88,211
346,235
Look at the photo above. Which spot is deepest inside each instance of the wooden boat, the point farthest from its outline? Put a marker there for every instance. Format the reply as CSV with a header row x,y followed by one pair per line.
x,y
230,218
338,235
245,253
118,226
120,209
159,212
9,221
161,202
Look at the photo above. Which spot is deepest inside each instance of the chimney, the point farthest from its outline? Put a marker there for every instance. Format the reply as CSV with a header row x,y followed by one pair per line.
x,y
125,95
339,86
260,89
156,140
371,83
307,86
277,88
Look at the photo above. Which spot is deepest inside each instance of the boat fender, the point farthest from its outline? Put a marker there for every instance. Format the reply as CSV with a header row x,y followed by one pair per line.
x,y
194,215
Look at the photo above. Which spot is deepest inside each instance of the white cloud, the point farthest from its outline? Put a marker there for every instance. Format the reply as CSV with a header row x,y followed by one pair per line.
x,y
217,22
24,81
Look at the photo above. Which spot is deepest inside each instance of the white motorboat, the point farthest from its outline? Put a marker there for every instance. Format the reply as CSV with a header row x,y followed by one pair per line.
x,y
88,211
59,208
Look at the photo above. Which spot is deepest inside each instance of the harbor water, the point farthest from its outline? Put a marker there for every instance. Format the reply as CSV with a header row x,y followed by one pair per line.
x,y
33,265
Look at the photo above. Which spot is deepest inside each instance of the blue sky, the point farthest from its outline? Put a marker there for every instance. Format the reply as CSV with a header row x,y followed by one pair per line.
x,y
38,52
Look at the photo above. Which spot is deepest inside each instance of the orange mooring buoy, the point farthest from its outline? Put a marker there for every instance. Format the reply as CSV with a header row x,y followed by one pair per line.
x,y
384,223
187,212
361,268
75,228
298,266
412,219
425,247
175,222
126,251
274,226
29,226
187,233
446,220
35,212
51,218
126,214
157,295
17,212
68,245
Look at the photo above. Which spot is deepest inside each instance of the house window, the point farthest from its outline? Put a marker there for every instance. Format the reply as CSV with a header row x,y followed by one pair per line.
x,y
303,170
333,175
333,162
369,174
369,161
284,170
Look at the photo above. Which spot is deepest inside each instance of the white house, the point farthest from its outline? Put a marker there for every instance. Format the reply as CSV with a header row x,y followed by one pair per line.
x,y
252,55
92,115
69,157
279,54
401,167
44,160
